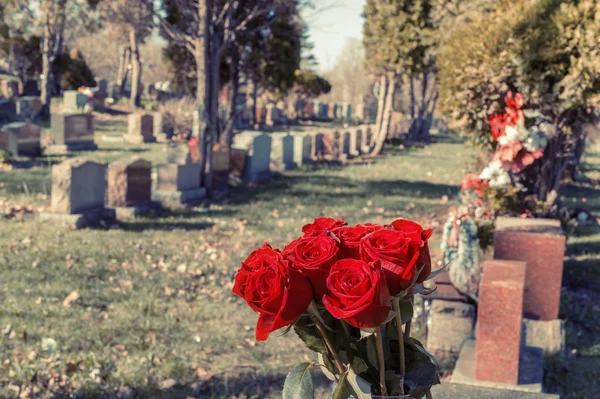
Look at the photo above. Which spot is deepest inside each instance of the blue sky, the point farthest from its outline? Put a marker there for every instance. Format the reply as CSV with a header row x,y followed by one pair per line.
x,y
329,29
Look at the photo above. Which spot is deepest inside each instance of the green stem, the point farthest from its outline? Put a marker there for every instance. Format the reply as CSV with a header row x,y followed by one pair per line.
x,y
396,305
379,341
314,311
409,323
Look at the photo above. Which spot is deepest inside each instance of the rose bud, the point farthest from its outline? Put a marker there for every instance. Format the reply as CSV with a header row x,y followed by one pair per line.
x,y
357,293
313,257
415,232
350,237
270,287
398,254
322,224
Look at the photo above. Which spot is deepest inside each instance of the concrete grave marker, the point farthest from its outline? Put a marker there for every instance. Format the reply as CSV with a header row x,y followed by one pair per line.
x,y
78,188
130,188
25,134
29,108
258,155
129,182
8,111
71,132
221,163
541,244
140,129
74,101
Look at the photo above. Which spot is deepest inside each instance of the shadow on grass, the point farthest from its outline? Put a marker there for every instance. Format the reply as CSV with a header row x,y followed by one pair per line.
x,y
324,189
139,226
246,385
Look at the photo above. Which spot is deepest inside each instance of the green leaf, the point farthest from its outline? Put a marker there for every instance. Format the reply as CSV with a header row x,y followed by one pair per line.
x,y
421,367
359,365
422,290
406,308
435,273
372,352
343,390
298,383
327,366
360,388
309,334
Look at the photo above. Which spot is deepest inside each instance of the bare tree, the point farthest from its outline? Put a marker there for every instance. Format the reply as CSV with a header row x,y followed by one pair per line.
x,y
131,19
211,28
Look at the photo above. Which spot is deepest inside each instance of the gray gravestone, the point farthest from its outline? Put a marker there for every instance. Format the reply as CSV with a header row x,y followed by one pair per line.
x,y
178,183
78,186
303,148
9,141
74,101
29,108
27,136
318,145
71,132
258,149
140,129
8,111
129,183
158,129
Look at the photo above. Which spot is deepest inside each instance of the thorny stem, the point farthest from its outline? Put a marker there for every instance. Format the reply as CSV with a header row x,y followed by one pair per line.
x,y
396,305
314,311
379,341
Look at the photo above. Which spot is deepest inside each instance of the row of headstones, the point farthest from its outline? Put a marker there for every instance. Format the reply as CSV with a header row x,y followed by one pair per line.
x,y
70,132
79,185
517,313
270,115
279,151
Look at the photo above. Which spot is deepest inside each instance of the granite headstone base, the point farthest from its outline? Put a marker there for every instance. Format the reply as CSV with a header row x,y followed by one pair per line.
x,y
531,369
100,217
141,210
180,197
62,149
550,336
462,391
138,139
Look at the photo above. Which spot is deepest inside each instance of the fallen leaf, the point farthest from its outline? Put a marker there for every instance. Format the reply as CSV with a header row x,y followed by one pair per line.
x,y
72,297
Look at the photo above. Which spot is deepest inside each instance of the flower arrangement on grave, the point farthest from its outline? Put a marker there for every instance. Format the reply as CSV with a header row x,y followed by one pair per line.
x,y
347,292
86,91
520,137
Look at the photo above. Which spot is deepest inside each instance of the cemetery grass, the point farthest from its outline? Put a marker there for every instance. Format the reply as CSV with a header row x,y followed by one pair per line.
x,y
146,309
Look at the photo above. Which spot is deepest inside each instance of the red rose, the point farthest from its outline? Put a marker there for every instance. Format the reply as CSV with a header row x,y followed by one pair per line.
x,y
372,227
357,293
350,237
320,225
415,232
398,254
473,182
277,292
313,256
498,125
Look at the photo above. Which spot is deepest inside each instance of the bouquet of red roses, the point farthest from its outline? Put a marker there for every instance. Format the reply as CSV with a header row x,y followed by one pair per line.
x,y
347,293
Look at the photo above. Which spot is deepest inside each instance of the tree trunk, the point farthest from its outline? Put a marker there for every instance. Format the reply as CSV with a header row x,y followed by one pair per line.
x,y
136,70
47,51
254,99
227,134
380,104
202,129
122,71
386,116
59,40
